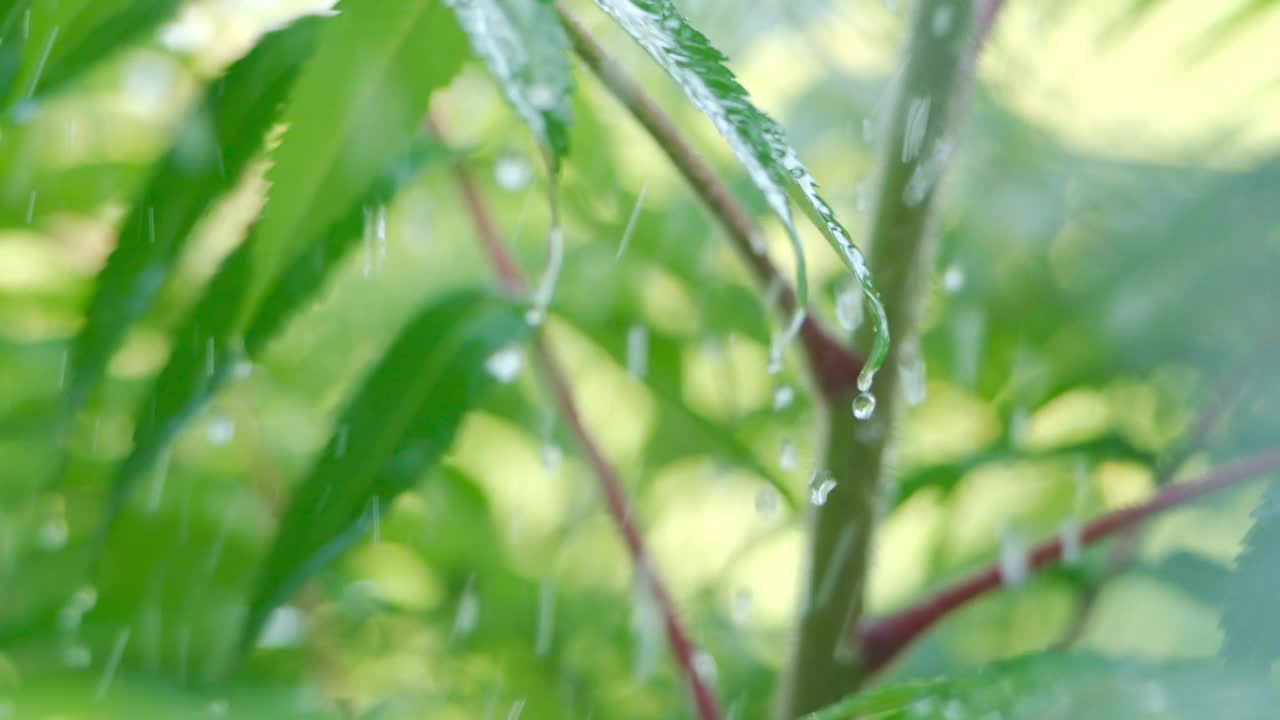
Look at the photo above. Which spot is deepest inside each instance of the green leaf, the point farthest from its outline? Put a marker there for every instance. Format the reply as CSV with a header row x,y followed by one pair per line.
x,y
67,37
1070,685
12,41
1250,634
203,165
399,424
758,142
209,347
354,110
524,46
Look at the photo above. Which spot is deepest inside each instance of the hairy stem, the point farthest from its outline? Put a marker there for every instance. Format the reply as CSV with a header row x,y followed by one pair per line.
x,y
834,366
884,638
916,143
619,506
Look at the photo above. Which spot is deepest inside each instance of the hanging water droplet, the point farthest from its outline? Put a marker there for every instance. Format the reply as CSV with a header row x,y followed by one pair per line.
x,y
741,610
864,405
783,397
767,502
953,279
787,458
221,431
849,308
512,172
820,486
1013,557
637,351
505,364
1069,536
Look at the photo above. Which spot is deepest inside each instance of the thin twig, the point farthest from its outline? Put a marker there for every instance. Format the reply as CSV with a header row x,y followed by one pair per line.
x,y
682,647
835,367
881,640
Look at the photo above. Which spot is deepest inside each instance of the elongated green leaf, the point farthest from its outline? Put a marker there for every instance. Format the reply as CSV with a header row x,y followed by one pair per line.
x,y
1054,685
524,46
354,110
400,423
13,38
197,171
1250,634
210,345
758,142
67,37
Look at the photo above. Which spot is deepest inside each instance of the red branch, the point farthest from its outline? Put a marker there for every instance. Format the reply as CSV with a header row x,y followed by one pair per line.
x,y
682,647
881,640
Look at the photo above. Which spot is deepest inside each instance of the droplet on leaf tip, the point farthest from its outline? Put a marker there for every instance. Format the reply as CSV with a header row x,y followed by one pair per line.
x,y
864,405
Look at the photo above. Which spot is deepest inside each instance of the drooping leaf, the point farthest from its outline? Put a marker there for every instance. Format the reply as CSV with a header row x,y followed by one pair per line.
x,y
67,37
197,171
1070,685
524,47
354,110
210,346
399,423
12,41
1249,632
756,139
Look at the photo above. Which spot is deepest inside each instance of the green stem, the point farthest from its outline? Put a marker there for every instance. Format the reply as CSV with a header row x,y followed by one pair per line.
x,y
933,86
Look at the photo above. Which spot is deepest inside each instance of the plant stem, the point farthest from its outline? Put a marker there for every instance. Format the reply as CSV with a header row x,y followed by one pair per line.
x,y
834,366
619,506
825,664
884,638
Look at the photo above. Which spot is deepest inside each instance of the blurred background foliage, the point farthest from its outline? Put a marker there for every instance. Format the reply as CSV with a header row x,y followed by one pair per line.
x,y
1110,241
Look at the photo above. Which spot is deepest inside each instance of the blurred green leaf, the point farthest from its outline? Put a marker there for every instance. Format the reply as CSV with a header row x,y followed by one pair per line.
x,y
185,184
756,139
399,423
1250,634
523,45
355,108
12,40
67,37
1067,686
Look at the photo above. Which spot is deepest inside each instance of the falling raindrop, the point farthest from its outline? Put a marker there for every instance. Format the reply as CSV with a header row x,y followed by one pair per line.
x,y
820,486
283,628
53,533
631,222
742,602
868,130
552,457
911,372
113,662
646,627
512,172
505,364
783,397
637,351
782,340
787,458
864,405
705,666
1069,536
953,279
77,656
546,616
468,614
942,16
767,503
221,431
517,708
1013,557
550,276
849,308
916,127
861,197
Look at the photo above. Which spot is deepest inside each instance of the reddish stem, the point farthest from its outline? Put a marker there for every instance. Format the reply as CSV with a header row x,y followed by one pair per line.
x,y
881,640
682,647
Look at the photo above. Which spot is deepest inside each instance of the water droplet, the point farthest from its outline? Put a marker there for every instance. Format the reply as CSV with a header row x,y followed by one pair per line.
x,y
53,534
637,351
767,502
849,308
942,16
705,666
911,372
221,431
787,458
282,629
917,124
543,96
1013,557
77,656
953,279
552,456
864,405
783,397
468,614
820,487
512,172
1069,536
741,610
505,364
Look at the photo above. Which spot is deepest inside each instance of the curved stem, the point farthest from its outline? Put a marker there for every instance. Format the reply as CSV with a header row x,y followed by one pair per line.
x,y
619,506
